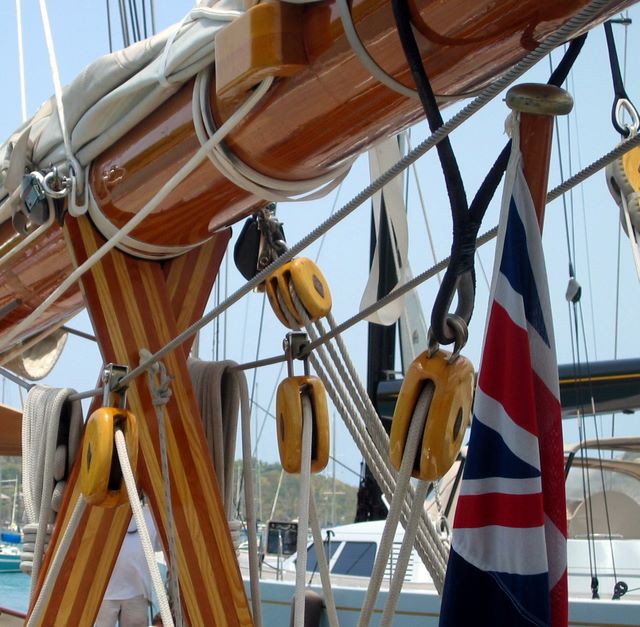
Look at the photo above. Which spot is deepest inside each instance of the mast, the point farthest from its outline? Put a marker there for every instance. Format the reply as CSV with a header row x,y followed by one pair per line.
x,y
381,349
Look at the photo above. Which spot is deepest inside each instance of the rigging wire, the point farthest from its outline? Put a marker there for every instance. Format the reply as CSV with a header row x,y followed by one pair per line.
x,y
109,35
626,22
135,24
23,92
124,24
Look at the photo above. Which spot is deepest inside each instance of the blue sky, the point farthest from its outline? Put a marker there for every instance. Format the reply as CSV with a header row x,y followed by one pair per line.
x,y
80,35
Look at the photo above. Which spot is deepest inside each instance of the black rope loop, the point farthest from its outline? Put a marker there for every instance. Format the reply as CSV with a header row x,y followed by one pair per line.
x,y
459,278
621,100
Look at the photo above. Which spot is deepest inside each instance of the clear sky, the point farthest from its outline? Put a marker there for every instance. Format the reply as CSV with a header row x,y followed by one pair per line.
x,y
80,35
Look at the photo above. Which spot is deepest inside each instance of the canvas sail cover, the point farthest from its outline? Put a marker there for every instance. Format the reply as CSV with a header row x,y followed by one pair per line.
x,y
115,93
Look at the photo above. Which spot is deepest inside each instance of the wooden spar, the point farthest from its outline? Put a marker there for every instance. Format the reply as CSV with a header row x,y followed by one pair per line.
x,y
330,109
133,304
11,432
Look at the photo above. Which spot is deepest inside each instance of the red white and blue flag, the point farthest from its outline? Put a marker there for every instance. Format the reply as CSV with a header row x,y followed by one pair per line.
x,y
507,564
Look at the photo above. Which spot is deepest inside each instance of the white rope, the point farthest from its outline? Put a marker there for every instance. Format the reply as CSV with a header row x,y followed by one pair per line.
x,y
323,566
218,395
303,511
151,206
374,448
46,463
365,58
241,174
23,92
430,547
405,554
145,539
414,439
78,171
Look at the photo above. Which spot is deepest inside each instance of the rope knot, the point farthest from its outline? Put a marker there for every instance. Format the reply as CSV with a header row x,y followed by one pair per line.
x,y
158,377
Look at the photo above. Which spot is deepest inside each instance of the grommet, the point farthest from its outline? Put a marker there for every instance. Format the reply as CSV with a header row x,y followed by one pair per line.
x,y
447,416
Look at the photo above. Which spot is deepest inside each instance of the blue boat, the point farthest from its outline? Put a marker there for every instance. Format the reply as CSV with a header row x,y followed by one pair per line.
x,y
9,558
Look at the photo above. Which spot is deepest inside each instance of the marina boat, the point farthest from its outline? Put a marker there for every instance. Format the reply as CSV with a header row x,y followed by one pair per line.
x,y
603,533
9,558
118,197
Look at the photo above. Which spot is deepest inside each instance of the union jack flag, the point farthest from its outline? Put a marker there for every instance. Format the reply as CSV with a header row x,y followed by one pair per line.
x,y
507,564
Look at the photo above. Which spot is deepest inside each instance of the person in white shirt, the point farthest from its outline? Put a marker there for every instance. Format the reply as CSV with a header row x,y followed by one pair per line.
x,y
127,598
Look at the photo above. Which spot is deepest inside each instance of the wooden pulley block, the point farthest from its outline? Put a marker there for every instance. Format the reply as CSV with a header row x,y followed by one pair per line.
x,y
101,479
289,418
623,179
312,289
447,416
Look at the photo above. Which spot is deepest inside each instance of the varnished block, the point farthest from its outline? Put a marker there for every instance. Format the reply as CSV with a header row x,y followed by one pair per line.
x,y
265,41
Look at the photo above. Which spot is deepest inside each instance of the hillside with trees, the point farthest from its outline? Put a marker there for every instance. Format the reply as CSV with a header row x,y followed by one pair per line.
x,y
340,501
336,506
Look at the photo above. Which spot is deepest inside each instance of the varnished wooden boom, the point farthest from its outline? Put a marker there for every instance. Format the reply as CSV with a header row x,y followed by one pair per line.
x,y
331,108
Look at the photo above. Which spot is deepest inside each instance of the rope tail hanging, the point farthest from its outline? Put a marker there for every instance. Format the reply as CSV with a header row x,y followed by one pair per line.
x,y
460,274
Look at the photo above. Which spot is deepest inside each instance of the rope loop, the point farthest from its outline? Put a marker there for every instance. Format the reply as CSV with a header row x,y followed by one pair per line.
x,y
158,378
621,102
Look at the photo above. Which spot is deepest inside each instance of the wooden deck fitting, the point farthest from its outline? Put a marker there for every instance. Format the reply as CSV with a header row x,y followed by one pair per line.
x,y
11,436
135,304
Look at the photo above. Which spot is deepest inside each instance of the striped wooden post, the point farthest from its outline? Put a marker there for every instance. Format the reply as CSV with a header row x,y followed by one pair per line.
x,y
137,304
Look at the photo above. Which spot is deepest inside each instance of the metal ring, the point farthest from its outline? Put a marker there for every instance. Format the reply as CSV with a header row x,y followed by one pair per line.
x,y
460,332
622,105
50,191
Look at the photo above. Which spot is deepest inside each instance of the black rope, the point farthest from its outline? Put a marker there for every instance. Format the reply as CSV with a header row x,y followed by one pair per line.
x,y
460,275
618,84
559,75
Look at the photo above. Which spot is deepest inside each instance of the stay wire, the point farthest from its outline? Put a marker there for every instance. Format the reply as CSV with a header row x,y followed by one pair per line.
x,y
109,26
124,24
586,477
487,236
598,446
135,24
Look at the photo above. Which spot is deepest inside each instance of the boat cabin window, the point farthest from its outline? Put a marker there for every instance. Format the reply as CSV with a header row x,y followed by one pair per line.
x,y
356,558
282,538
312,558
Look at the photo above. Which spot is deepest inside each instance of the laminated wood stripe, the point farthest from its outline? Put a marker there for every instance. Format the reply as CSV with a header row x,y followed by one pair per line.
x,y
132,305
